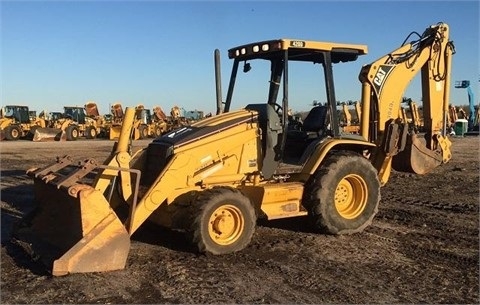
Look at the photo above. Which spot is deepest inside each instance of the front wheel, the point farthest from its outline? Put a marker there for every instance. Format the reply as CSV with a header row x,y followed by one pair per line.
x,y
90,132
343,195
72,133
13,132
223,221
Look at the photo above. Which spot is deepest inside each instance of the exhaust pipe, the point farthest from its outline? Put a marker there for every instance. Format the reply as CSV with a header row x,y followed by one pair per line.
x,y
218,82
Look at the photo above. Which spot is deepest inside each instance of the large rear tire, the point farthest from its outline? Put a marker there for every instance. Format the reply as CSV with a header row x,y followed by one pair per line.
x,y
343,195
223,221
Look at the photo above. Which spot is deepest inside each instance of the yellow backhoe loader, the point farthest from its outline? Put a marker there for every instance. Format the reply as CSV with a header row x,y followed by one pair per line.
x,y
350,125
216,177
115,125
416,118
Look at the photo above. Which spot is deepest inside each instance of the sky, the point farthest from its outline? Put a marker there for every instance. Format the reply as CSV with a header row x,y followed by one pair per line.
x,y
65,53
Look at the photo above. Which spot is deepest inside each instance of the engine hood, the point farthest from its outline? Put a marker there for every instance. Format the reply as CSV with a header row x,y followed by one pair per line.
x,y
206,127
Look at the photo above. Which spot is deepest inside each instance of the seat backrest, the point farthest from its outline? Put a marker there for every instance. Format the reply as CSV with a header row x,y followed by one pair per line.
x,y
316,118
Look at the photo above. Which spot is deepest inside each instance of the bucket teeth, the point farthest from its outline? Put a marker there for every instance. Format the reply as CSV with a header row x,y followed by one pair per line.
x,y
74,229
52,168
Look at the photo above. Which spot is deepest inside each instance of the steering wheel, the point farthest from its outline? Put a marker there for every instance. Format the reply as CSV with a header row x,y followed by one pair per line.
x,y
278,109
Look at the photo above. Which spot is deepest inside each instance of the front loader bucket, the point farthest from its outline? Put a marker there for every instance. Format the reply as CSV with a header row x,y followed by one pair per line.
x,y
74,229
416,157
48,135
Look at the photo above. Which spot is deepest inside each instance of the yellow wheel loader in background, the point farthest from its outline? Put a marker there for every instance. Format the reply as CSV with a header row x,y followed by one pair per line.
x,y
73,123
216,177
16,122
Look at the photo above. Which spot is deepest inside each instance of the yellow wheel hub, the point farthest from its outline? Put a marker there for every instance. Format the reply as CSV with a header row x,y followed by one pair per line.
x,y
351,196
226,224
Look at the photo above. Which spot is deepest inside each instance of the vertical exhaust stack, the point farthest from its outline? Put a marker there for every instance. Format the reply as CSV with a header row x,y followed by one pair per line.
x,y
218,82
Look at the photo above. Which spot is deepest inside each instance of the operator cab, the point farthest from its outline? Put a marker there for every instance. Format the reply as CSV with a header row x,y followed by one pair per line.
x,y
77,114
283,61
19,113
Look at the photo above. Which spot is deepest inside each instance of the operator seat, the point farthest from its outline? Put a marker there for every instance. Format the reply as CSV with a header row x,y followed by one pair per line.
x,y
315,120
314,127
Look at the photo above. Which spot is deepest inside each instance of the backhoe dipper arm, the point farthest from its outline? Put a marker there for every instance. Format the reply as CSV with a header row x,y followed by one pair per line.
x,y
383,85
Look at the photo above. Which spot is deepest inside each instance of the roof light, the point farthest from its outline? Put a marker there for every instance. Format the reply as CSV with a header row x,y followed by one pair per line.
x,y
256,49
265,47
243,51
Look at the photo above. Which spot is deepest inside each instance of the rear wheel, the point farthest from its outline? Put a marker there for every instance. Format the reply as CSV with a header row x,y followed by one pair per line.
x,y
72,133
343,196
13,132
143,130
90,132
158,131
223,221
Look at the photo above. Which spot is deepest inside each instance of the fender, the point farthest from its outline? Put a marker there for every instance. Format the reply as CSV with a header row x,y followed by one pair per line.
x,y
319,153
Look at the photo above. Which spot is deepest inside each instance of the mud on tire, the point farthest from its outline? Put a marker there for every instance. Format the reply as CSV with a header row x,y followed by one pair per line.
x,y
343,195
223,221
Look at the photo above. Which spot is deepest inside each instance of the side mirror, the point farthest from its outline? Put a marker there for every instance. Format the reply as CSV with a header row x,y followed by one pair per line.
x,y
246,67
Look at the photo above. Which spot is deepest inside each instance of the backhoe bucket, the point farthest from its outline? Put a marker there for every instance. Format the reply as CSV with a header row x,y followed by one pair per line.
x,y
416,157
48,135
74,229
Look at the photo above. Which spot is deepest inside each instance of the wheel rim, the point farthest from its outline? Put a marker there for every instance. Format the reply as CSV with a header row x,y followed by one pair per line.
x,y
75,133
351,196
225,225
93,133
15,133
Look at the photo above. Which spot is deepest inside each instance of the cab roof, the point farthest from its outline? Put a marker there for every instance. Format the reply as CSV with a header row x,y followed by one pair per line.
x,y
298,49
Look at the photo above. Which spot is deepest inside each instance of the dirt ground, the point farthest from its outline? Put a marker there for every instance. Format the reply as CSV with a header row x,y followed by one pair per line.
x,y
423,247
